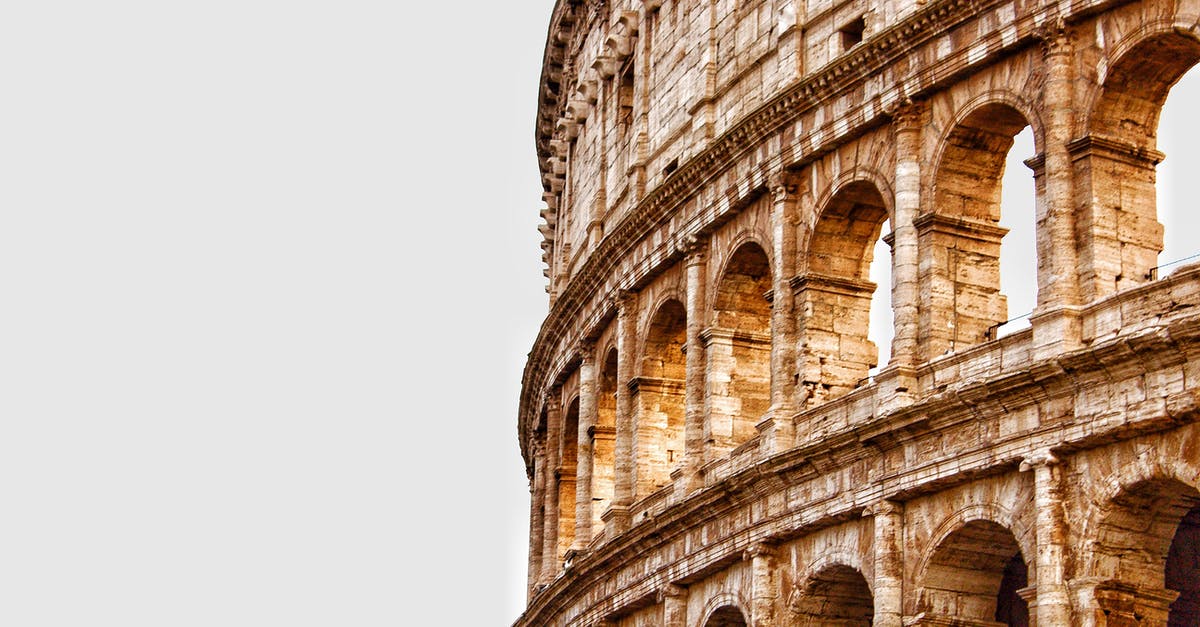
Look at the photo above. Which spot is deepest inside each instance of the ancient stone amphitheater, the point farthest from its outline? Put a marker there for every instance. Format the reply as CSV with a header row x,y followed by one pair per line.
x,y
709,438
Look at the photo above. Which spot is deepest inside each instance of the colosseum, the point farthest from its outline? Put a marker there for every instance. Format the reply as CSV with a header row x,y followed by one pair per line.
x,y
712,433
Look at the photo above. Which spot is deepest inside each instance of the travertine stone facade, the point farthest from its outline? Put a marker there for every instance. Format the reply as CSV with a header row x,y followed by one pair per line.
x,y
709,435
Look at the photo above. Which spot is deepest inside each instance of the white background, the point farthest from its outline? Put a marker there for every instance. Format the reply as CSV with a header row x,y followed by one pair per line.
x,y
268,274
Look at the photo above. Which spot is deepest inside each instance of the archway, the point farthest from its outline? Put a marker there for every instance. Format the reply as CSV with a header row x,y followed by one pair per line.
x,y
1146,554
975,574
659,398
834,293
837,595
1116,164
738,350
727,616
960,240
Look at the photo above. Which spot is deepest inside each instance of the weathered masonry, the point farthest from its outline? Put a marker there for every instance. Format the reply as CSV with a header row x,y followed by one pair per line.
x,y
709,435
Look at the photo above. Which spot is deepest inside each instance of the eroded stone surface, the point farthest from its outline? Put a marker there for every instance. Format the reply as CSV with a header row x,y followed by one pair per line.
x,y
707,439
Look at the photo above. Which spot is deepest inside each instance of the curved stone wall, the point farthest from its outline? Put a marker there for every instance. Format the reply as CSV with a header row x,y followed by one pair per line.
x,y
710,436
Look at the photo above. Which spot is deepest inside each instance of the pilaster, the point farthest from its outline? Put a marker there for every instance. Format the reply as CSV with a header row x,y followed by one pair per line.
x,y
1052,606
764,584
1056,325
696,265
550,517
908,120
778,430
889,562
585,458
617,518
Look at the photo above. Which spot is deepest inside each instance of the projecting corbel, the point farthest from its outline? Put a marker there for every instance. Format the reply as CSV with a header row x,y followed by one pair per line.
x,y
568,127
605,66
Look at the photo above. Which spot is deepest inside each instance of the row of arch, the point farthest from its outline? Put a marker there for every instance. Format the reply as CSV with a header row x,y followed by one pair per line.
x,y
980,573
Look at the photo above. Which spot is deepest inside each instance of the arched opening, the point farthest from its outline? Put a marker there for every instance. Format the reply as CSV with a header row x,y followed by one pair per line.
x,y
727,616
604,439
659,399
975,574
1183,571
837,595
834,293
960,240
1116,165
566,478
1178,135
738,350
881,331
1145,555
1018,249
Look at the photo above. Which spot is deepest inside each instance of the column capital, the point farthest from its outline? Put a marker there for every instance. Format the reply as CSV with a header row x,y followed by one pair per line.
x,y
759,549
1055,37
884,507
1042,459
586,349
671,591
623,300
783,185
695,247
907,114
553,402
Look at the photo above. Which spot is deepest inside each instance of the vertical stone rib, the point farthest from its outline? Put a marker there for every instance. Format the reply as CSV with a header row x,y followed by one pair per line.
x,y
674,601
907,122
550,518
780,435
764,585
584,458
1053,602
623,470
889,563
536,524
693,444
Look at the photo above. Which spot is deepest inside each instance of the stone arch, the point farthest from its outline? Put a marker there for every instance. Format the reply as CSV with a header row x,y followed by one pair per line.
x,y
1141,68
833,294
738,348
658,397
1143,470
857,174
1145,554
973,573
568,457
833,593
1142,541
1116,158
959,234
724,610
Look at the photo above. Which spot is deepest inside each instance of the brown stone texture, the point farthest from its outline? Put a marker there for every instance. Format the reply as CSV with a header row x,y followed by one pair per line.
x,y
709,435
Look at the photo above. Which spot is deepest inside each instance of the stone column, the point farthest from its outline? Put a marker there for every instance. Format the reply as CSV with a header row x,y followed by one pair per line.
x,y
764,585
537,503
550,517
1056,325
907,121
779,432
617,520
674,601
889,562
1053,605
584,457
693,438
